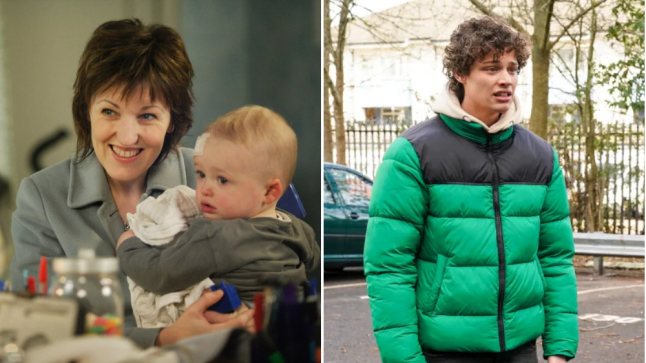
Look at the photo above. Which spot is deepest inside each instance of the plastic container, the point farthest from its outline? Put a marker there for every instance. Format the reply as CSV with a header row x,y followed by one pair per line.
x,y
95,283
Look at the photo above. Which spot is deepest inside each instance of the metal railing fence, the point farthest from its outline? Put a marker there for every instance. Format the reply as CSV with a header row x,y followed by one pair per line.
x,y
619,163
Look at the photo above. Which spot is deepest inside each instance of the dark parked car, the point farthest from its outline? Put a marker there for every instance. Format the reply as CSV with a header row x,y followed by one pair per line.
x,y
346,200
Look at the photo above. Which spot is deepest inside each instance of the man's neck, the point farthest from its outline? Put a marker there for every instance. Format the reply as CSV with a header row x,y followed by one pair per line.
x,y
489,118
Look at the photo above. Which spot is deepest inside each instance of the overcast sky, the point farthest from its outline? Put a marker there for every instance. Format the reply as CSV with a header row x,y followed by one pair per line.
x,y
374,5
366,7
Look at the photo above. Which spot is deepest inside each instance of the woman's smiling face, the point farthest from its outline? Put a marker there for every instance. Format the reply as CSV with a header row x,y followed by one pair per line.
x,y
128,134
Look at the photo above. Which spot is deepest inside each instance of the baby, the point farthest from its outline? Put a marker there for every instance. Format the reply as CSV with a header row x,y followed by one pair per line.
x,y
243,161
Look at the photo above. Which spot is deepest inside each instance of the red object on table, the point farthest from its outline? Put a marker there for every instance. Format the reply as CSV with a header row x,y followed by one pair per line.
x,y
259,314
31,285
42,276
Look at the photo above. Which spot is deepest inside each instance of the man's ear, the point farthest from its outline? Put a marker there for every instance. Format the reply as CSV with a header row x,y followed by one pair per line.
x,y
459,78
274,189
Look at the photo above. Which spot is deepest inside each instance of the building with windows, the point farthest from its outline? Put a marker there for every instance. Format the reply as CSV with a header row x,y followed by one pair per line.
x,y
393,65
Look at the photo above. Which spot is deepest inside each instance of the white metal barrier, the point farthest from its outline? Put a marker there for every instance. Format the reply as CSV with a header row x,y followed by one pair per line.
x,y
602,244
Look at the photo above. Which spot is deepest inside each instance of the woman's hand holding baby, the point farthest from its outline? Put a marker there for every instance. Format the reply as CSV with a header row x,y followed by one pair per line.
x,y
215,317
197,320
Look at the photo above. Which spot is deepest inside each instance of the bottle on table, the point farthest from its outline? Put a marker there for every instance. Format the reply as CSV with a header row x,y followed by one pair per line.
x,y
94,282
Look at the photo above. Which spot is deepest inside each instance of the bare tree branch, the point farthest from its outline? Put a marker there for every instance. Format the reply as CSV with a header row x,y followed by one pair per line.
x,y
518,10
485,10
574,20
386,15
327,38
527,13
370,27
330,83
570,73
341,33
574,75
548,19
563,91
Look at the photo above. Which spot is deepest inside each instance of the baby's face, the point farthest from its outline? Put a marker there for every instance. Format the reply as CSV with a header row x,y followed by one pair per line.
x,y
229,183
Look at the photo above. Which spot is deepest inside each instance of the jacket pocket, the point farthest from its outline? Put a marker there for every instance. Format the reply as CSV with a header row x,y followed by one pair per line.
x,y
539,270
436,287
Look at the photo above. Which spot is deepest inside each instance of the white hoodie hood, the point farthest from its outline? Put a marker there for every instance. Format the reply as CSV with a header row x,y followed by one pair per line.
x,y
447,103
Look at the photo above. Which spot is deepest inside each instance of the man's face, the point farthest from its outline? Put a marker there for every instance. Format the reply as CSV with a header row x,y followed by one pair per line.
x,y
489,87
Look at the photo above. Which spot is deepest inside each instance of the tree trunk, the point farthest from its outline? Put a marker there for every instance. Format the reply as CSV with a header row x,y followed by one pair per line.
x,y
338,87
328,143
339,121
540,66
593,200
540,86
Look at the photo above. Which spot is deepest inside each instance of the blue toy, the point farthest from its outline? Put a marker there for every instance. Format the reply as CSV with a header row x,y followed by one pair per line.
x,y
229,302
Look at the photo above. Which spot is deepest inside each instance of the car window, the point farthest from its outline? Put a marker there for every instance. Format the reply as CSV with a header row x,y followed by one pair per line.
x,y
328,198
354,189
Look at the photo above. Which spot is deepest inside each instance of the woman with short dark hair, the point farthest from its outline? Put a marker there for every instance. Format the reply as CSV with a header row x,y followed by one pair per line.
x,y
132,105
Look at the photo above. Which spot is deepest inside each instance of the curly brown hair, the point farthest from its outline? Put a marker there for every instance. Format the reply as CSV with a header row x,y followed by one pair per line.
x,y
128,54
473,40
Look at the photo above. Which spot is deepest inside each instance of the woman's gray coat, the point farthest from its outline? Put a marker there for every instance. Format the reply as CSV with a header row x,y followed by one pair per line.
x,y
69,206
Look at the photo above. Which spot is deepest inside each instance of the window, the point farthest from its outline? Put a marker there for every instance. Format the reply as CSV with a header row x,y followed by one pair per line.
x,y
388,115
370,113
354,189
328,198
394,114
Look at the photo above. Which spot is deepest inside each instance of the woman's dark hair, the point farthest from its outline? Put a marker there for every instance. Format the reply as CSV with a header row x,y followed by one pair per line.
x,y
130,55
473,40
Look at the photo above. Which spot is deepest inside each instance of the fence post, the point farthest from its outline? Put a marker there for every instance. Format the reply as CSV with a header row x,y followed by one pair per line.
x,y
598,266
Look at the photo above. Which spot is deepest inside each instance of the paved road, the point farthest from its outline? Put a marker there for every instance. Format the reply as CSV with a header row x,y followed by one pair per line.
x,y
609,336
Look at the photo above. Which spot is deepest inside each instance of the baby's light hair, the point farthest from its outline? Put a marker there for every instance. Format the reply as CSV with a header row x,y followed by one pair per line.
x,y
263,131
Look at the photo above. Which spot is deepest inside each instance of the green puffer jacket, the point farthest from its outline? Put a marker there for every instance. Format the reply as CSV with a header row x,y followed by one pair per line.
x,y
469,244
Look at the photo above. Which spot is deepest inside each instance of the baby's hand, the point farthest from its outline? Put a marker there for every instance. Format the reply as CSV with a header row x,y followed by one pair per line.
x,y
251,326
241,309
124,236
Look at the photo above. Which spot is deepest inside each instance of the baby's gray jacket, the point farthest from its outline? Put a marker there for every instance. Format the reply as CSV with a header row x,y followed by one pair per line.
x,y
238,251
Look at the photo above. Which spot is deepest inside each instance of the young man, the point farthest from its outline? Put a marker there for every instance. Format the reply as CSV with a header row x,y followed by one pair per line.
x,y
469,246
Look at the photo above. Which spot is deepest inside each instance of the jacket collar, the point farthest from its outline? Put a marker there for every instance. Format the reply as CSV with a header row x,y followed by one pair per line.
x,y
447,104
88,183
476,132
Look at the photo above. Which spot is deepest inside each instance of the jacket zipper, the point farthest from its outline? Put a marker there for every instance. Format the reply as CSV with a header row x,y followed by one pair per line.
x,y
501,246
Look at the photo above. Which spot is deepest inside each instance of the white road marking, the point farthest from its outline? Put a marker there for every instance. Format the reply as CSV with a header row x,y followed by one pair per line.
x,y
342,286
607,289
628,320
616,319
364,297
